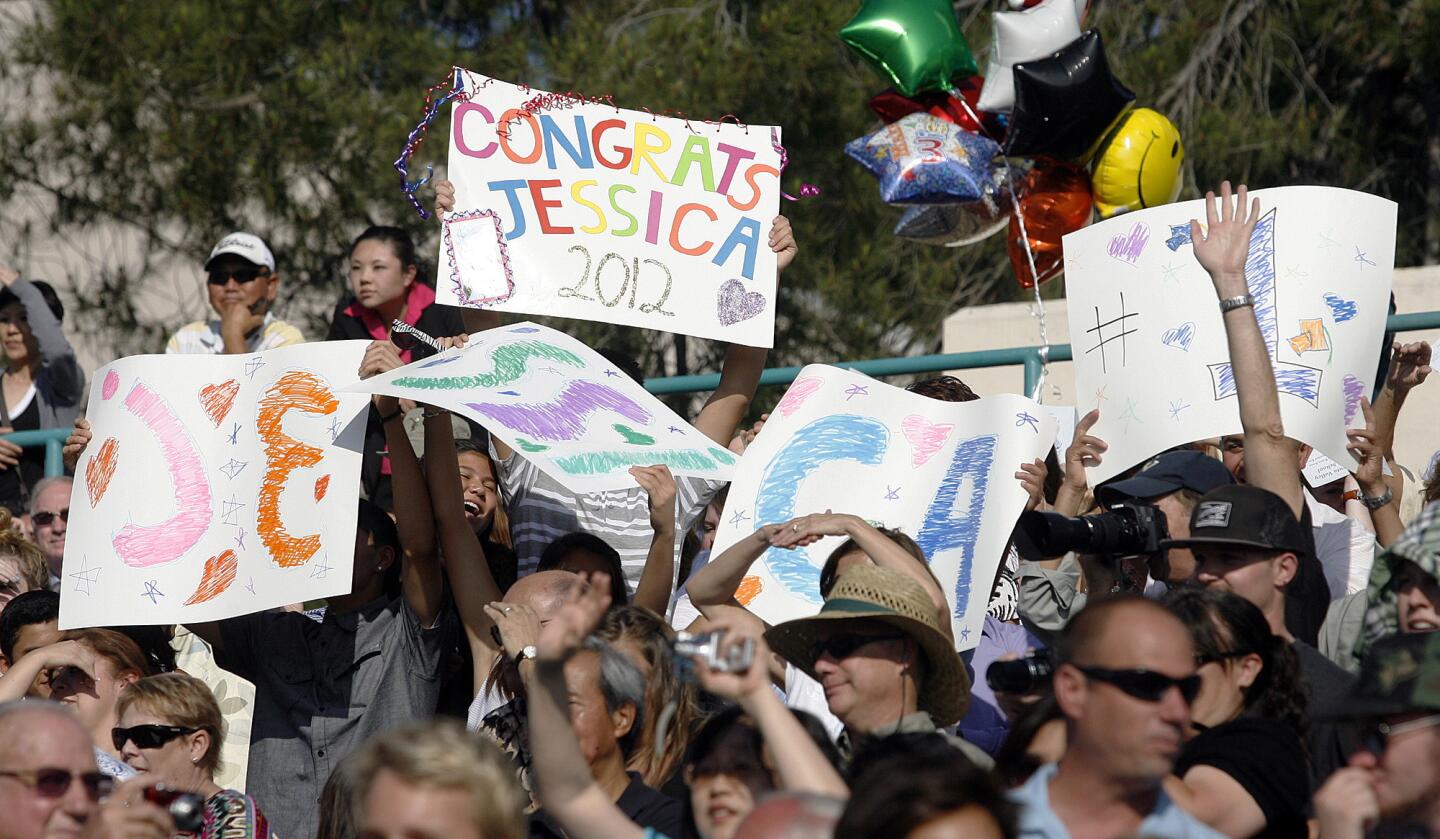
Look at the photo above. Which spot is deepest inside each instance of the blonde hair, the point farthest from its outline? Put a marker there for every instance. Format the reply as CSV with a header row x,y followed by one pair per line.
x,y
442,754
32,563
182,700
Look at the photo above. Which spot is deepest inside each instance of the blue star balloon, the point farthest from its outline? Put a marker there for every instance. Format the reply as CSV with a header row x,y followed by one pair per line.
x,y
923,159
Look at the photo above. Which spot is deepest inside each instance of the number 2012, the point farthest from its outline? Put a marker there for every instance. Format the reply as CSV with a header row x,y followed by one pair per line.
x,y
631,282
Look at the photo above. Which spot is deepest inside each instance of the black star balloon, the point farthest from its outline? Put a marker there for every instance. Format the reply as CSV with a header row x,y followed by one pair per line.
x,y
1065,103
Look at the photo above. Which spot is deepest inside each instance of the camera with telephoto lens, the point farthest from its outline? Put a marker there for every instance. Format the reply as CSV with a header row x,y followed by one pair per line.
x,y
1021,675
1126,529
186,808
710,648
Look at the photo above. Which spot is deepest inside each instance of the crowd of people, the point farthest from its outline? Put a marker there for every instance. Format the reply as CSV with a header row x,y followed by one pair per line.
x,y
517,659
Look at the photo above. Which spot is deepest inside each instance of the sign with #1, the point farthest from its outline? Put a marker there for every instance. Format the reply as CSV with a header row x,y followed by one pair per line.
x,y
569,207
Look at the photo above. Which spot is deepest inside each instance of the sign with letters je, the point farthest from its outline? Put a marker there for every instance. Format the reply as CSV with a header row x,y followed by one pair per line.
x,y
1149,341
565,206
215,486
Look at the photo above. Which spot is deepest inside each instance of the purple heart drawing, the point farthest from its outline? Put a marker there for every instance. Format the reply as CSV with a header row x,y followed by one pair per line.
x,y
736,304
1353,389
1179,337
1127,247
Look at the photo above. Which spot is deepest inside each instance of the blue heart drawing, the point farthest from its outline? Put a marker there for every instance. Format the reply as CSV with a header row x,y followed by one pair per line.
x,y
1179,337
523,329
1340,308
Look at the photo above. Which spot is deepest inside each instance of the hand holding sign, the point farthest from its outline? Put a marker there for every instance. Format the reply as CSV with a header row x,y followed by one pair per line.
x,y
1223,245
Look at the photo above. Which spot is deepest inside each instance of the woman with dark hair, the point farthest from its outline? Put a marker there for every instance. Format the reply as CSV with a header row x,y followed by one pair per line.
x,y
386,286
1036,738
1243,770
918,785
484,510
587,555
43,385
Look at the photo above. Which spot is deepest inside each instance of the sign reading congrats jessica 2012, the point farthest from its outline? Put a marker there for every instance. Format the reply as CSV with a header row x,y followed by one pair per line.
x,y
580,209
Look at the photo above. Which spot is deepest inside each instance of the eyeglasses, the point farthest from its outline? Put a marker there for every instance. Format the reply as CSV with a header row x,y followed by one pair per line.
x,y
243,276
1203,659
147,736
1145,684
45,518
53,783
843,646
1377,737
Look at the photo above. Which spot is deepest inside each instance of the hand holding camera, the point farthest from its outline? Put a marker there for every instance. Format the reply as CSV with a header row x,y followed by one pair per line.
x,y
728,661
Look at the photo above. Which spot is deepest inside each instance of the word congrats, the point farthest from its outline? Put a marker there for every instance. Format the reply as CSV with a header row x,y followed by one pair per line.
x,y
581,209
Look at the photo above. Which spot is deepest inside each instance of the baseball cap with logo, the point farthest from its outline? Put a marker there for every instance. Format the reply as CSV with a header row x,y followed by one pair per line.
x,y
1242,517
247,246
1400,674
1164,474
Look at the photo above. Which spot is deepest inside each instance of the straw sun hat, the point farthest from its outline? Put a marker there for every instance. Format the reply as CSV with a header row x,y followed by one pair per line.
x,y
873,594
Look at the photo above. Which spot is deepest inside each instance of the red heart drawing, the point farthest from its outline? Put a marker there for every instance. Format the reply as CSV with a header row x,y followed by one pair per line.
x,y
101,469
218,399
218,575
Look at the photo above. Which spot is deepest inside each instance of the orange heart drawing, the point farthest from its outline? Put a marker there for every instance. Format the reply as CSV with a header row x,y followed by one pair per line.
x,y
218,575
218,399
101,469
322,483
748,589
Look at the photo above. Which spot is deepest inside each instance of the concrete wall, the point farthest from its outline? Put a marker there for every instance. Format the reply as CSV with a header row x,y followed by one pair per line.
x,y
1417,438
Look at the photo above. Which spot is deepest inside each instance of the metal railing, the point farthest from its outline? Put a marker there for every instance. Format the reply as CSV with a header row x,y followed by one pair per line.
x,y
53,439
1029,357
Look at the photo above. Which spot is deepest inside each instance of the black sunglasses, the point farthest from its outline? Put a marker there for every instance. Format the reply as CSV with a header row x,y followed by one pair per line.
x,y
243,276
53,783
147,736
1376,736
1145,684
843,646
45,518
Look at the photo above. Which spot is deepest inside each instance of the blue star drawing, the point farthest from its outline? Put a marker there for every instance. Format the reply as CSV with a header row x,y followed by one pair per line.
x,y
1296,273
549,369
233,468
240,539
611,374
253,366
334,428
1176,407
85,577
230,511
1171,272
1327,241
892,493
235,435
739,517
1128,416
1024,418
320,569
856,390
250,586
964,635
1361,257
675,430
152,592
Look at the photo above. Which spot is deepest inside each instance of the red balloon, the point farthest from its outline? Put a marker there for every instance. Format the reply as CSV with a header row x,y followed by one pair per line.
x,y
1054,200
890,106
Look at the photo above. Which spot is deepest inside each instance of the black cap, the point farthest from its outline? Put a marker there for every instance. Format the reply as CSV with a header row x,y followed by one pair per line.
x,y
1400,674
1165,473
1243,517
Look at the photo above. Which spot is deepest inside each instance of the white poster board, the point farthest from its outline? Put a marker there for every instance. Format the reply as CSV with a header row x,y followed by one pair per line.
x,y
1149,343
941,472
215,486
560,404
574,208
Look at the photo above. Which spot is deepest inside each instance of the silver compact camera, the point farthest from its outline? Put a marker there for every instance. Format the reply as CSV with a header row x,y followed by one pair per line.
x,y
710,648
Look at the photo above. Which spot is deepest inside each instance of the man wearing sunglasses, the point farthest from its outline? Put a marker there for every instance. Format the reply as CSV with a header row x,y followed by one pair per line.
x,y
49,786
242,284
1125,679
49,519
877,650
1393,781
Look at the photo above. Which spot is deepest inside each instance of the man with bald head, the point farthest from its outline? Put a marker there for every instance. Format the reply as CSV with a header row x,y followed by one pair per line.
x,y
1124,679
50,787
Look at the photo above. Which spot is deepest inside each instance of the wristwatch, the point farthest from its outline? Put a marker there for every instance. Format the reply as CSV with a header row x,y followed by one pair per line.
x,y
1230,303
1378,501
527,651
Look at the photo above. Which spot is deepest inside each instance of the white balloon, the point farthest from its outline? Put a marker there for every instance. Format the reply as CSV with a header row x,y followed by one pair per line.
x,y
1025,36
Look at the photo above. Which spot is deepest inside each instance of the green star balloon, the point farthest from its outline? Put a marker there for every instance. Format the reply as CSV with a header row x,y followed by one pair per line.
x,y
916,44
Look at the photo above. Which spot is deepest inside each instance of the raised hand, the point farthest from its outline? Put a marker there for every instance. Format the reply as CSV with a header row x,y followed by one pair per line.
x,y
807,530
517,623
1223,245
573,621
1409,365
659,485
782,242
736,686
75,444
1368,457
1032,477
444,196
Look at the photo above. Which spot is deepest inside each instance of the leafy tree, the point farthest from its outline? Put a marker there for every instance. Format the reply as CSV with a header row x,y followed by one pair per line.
x,y
189,118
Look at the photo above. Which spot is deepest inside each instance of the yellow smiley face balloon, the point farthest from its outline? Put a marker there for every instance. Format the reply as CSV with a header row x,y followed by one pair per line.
x,y
1140,167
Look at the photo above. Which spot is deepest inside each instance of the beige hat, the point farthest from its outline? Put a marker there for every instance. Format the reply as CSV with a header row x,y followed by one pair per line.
x,y
871,593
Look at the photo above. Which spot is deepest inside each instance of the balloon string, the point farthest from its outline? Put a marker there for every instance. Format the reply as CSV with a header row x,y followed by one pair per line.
x,y
1038,310
417,136
806,190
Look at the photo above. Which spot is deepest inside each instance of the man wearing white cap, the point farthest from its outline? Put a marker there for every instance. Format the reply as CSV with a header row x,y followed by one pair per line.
x,y
242,283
